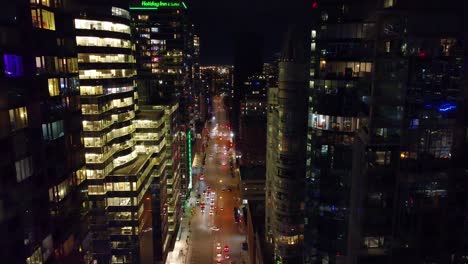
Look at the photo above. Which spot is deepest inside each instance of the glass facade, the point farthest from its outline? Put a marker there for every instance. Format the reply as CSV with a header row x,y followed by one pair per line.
x,y
382,111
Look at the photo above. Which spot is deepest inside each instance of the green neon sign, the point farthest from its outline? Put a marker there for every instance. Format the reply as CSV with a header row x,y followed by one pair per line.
x,y
155,5
189,155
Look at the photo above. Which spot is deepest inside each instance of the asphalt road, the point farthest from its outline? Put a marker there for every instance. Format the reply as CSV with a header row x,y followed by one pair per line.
x,y
217,176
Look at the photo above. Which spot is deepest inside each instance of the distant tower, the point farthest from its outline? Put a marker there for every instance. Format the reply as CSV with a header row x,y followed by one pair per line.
x,y
286,143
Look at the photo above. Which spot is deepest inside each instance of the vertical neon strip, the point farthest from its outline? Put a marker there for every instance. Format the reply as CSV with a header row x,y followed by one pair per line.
x,y
189,155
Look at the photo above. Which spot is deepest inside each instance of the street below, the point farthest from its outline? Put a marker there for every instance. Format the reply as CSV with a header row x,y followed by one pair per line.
x,y
216,236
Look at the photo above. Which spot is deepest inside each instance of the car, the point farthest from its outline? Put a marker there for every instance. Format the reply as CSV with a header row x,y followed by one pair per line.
x,y
211,212
226,248
219,255
146,229
198,201
226,256
218,246
222,208
214,228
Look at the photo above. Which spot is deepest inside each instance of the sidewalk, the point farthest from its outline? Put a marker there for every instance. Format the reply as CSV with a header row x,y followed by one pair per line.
x,y
181,252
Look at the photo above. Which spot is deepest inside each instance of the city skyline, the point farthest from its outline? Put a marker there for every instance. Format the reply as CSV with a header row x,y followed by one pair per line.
x,y
253,132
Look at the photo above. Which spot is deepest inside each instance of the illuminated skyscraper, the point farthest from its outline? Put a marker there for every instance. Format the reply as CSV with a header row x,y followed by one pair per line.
x,y
164,51
108,96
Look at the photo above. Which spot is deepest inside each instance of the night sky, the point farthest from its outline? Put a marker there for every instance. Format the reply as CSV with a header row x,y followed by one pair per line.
x,y
216,21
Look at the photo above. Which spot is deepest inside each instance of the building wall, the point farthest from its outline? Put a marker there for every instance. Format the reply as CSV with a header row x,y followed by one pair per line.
x,y
285,194
42,158
372,162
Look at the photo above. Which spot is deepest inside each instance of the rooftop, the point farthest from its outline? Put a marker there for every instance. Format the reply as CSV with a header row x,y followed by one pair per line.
x,y
256,172
153,114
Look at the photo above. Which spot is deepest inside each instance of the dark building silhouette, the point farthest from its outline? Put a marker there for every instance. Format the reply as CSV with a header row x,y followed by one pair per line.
x,y
42,182
252,130
384,174
248,61
286,152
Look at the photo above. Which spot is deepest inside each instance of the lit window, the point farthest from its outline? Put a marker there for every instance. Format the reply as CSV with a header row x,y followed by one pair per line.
x,y
101,25
57,193
43,19
387,46
80,176
103,42
18,118
53,87
120,12
13,65
24,169
96,189
374,242
389,3
312,46
53,130
43,2
35,258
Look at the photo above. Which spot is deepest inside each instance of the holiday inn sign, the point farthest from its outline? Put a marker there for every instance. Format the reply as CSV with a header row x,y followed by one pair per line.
x,y
154,5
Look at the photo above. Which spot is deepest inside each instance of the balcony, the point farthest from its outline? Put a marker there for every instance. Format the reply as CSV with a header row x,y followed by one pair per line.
x,y
148,136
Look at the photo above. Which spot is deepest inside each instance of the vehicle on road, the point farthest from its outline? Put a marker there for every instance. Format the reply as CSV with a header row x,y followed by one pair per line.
x,y
226,248
211,212
218,246
214,228
147,229
236,214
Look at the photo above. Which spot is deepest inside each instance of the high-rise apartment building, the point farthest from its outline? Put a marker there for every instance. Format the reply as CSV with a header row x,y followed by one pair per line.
x,y
164,53
155,127
198,97
42,156
108,97
161,39
286,153
384,107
